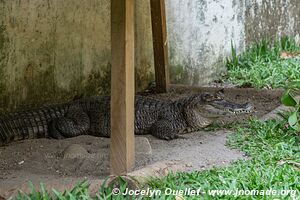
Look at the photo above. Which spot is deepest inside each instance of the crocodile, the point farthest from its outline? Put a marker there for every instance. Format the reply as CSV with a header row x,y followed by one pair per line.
x,y
164,119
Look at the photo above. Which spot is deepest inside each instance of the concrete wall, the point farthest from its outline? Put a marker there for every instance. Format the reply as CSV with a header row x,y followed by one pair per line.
x,y
51,50
200,35
271,18
201,31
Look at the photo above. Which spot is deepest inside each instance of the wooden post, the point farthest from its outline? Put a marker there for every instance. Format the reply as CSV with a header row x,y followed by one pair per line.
x,y
160,47
122,150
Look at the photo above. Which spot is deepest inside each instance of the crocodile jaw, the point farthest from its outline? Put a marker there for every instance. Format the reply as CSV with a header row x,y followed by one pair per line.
x,y
223,108
229,108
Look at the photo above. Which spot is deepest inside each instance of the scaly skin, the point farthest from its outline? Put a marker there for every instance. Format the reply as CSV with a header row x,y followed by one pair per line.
x,y
162,119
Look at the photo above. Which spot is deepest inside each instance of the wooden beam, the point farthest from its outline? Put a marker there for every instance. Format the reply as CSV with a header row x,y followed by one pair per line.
x,y
160,47
122,156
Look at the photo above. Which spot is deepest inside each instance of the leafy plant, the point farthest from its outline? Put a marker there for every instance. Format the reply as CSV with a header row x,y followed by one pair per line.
x,y
260,66
79,192
289,99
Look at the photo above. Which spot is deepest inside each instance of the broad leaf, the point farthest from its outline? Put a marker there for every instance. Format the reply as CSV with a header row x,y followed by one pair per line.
x,y
293,119
288,99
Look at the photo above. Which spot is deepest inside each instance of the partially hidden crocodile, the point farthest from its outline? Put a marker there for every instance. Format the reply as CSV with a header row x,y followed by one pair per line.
x,y
160,118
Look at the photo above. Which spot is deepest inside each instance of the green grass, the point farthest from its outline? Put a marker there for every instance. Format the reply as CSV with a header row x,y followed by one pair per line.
x,y
273,150
260,66
80,191
274,164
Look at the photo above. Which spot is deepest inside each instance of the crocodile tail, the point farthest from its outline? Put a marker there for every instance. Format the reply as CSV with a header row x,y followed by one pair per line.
x,y
29,124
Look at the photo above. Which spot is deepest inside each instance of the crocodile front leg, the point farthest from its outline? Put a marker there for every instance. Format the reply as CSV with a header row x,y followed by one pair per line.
x,y
163,129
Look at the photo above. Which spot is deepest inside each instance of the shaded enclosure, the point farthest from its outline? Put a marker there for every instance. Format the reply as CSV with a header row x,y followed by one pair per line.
x,y
63,47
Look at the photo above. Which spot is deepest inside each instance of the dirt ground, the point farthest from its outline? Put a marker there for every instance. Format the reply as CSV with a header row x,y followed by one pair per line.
x,y
44,160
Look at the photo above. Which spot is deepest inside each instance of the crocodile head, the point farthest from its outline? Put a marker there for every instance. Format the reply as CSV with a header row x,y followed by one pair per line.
x,y
216,106
202,109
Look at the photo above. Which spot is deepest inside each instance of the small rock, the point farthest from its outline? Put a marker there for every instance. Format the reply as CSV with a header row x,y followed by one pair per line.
x,y
176,160
245,155
143,146
189,165
22,162
75,151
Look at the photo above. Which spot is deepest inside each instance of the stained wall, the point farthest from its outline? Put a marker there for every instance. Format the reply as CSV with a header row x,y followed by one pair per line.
x,y
53,50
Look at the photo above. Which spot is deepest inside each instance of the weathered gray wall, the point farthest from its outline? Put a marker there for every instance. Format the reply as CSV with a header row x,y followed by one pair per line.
x,y
271,18
200,35
201,31
54,49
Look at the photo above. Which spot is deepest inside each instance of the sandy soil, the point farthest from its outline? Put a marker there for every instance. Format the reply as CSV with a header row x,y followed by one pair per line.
x,y
43,159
